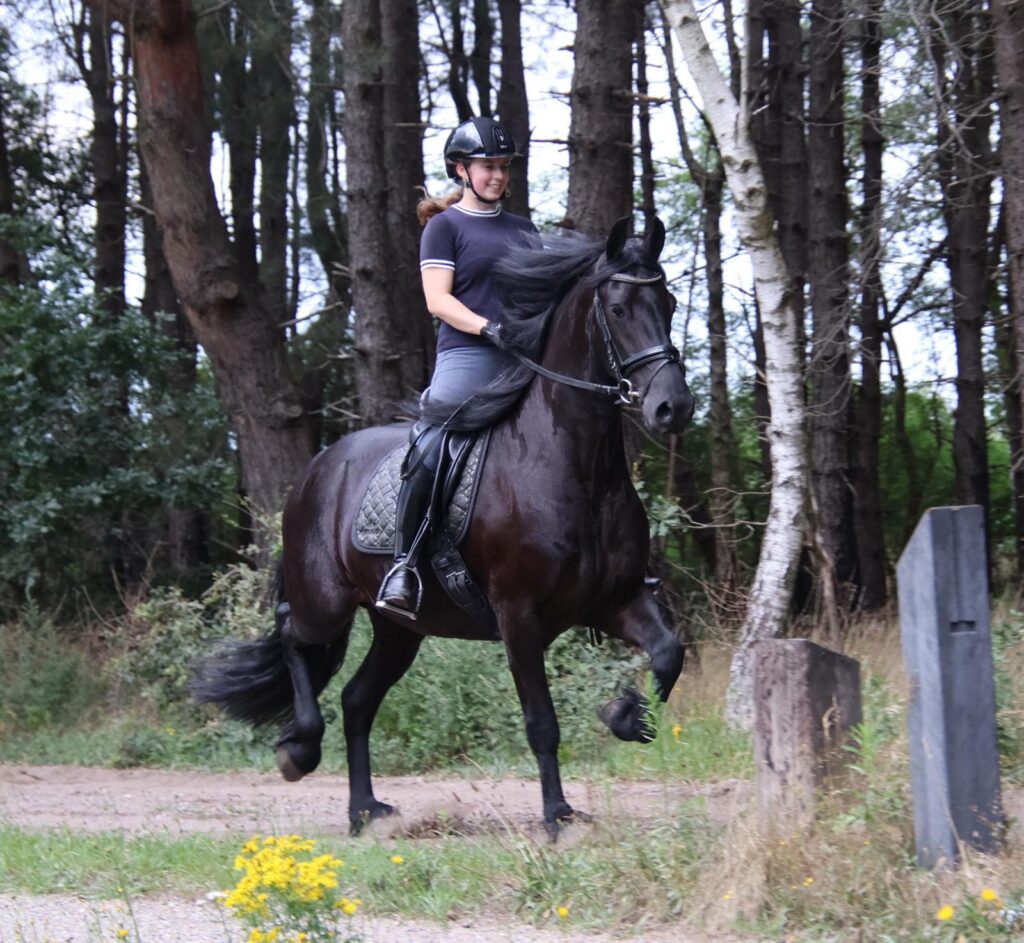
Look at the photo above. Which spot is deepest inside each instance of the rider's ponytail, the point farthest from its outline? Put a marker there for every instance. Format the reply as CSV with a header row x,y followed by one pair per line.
x,y
432,205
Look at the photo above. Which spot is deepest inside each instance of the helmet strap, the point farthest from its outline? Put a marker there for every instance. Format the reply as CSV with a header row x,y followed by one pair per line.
x,y
468,182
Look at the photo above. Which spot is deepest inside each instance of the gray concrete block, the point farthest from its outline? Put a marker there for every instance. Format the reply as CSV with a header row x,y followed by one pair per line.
x,y
947,651
806,698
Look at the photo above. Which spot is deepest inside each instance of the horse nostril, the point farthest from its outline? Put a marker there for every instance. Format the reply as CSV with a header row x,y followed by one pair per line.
x,y
663,415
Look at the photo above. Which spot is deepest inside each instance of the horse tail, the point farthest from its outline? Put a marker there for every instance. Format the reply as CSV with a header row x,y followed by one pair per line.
x,y
250,680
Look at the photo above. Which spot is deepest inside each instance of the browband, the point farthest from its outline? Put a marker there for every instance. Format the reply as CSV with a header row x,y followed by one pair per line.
x,y
635,279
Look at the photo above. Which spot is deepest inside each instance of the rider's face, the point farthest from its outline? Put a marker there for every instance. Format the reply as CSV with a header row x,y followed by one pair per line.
x,y
489,176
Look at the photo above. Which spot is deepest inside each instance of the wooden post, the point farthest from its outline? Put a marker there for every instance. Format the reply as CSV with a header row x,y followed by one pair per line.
x,y
947,651
806,698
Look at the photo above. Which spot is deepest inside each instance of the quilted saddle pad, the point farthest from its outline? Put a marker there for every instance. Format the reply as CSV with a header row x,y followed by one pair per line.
x,y
374,527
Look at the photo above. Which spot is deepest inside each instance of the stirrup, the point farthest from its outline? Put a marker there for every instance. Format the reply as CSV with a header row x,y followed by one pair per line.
x,y
395,610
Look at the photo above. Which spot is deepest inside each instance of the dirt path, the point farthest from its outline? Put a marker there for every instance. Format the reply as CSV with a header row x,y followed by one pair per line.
x,y
143,800
169,802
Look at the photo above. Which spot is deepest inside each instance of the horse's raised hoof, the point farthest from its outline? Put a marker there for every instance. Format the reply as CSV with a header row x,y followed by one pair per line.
x,y
359,818
296,759
627,717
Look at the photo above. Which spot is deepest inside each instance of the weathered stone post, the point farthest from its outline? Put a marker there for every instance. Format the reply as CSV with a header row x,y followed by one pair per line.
x,y
806,698
947,651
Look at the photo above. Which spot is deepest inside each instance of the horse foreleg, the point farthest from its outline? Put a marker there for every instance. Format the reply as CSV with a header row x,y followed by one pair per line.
x,y
526,661
392,652
298,749
642,623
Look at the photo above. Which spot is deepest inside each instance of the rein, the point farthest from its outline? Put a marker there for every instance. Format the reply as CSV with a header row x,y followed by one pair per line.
x,y
622,391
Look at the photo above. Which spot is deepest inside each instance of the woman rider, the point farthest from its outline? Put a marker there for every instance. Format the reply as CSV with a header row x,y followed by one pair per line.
x,y
466,232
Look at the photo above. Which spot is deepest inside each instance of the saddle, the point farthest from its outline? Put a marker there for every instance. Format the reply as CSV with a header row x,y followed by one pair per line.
x,y
451,509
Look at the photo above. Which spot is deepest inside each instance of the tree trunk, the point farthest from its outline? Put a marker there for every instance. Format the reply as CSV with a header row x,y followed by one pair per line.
x,y
513,106
379,120
829,369
1008,16
458,64
271,70
245,348
776,93
186,528
647,204
110,176
227,37
867,428
480,56
965,176
773,581
723,445
1006,347
328,232
13,266
601,126
412,335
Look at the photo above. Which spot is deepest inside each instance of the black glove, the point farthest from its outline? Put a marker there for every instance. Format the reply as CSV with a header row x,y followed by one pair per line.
x,y
493,332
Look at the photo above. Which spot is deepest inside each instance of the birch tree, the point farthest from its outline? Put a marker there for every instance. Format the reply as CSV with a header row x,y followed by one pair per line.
x,y
773,580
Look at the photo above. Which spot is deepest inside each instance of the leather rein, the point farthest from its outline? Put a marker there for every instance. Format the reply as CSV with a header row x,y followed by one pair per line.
x,y
620,368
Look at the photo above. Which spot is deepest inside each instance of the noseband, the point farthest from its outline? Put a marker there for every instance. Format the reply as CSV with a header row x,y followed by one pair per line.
x,y
620,368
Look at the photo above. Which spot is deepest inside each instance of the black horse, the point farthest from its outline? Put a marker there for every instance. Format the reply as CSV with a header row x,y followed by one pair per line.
x,y
558,536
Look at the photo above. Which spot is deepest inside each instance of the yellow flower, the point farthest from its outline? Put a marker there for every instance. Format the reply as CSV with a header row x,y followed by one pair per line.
x,y
397,859
808,881
677,731
170,731
945,913
727,895
563,912
988,894
122,934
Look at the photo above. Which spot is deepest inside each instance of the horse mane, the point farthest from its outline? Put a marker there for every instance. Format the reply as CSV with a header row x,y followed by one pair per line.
x,y
534,281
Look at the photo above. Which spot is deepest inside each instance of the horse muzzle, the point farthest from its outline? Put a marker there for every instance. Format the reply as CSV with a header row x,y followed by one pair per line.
x,y
668,404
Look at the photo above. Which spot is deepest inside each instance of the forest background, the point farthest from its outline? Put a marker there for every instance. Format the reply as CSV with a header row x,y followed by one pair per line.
x,y
215,275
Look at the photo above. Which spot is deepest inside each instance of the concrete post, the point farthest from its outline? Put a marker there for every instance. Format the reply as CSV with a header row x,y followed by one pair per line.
x,y
806,698
947,650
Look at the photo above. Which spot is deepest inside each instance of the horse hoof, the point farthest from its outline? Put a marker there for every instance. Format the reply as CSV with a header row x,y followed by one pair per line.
x,y
567,816
295,760
626,717
360,818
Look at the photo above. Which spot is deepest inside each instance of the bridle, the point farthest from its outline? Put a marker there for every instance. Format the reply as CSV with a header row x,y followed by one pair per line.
x,y
619,367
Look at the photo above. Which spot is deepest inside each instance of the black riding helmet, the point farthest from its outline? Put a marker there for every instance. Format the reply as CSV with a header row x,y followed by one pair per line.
x,y
478,137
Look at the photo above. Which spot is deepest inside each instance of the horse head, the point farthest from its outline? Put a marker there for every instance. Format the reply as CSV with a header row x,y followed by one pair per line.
x,y
633,311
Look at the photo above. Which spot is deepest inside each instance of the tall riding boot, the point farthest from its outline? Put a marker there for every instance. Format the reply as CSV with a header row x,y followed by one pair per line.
x,y
402,586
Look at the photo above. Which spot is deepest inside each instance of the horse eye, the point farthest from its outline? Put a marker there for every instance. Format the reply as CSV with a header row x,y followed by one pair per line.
x,y
673,303
618,311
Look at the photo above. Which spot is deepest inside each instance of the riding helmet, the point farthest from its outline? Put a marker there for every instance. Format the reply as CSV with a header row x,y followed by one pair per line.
x,y
477,137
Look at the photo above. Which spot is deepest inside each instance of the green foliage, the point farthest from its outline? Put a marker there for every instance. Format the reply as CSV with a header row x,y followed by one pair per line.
x,y
167,632
105,865
44,681
1008,664
458,703
87,457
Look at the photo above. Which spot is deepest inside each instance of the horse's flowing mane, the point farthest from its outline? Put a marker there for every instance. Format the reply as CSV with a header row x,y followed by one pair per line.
x,y
534,281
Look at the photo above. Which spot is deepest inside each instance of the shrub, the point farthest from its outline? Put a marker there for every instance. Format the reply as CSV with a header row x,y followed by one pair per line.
x,y
43,680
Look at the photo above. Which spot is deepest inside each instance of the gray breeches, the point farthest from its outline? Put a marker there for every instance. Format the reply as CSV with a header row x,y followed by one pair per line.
x,y
459,373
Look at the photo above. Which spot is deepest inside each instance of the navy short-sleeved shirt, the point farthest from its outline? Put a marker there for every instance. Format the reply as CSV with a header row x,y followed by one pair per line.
x,y
469,242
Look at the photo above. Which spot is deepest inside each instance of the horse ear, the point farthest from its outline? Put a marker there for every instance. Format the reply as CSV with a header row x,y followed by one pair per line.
x,y
617,237
655,241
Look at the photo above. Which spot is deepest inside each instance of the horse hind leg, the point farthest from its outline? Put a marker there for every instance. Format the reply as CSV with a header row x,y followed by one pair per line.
x,y
310,668
391,653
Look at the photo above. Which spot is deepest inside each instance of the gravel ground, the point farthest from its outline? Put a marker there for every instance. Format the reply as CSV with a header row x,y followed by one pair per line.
x,y
61,919
169,802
